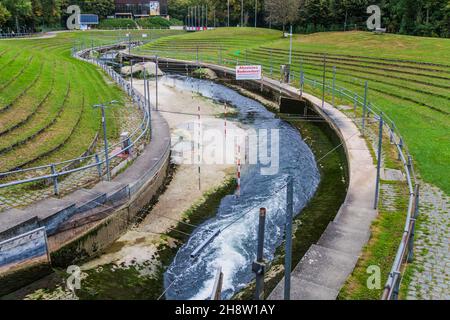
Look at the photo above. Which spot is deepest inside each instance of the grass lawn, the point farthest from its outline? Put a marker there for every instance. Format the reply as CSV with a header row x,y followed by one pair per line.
x,y
46,97
409,77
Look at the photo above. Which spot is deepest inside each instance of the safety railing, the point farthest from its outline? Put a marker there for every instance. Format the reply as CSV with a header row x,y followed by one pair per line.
x,y
36,174
16,35
405,249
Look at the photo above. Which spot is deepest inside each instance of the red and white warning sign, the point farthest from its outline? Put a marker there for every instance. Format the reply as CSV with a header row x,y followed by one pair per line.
x,y
248,72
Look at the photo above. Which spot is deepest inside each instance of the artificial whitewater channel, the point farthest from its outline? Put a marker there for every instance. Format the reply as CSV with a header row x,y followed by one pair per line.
x,y
234,248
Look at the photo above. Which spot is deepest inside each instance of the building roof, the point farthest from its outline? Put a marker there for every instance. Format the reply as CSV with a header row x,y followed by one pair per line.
x,y
88,19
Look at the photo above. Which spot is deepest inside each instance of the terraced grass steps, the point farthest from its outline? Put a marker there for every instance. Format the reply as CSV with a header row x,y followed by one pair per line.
x,y
20,85
46,98
26,107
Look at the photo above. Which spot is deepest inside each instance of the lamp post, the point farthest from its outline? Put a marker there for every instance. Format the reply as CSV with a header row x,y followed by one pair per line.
x,y
228,13
102,106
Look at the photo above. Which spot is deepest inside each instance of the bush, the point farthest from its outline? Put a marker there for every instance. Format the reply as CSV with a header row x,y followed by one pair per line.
x,y
117,24
157,22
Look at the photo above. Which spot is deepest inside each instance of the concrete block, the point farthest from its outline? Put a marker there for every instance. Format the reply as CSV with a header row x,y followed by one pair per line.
x,y
14,222
303,290
343,239
87,199
325,267
52,212
115,192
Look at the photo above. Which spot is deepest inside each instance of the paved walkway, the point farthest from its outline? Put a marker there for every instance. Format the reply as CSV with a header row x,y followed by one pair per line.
x,y
323,270
326,265
431,267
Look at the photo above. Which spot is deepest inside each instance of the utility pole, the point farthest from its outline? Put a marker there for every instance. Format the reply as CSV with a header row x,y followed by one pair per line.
x,y
323,79
105,138
258,266
242,13
228,13
256,12
290,47
366,88
380,144
334,85
156,77
288,253
217,288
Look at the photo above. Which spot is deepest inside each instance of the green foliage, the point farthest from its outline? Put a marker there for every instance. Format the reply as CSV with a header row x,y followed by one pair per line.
x,y
4,15
117,24
154,22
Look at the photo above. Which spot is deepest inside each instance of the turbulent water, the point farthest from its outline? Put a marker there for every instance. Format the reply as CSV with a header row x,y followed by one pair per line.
x,y
234,249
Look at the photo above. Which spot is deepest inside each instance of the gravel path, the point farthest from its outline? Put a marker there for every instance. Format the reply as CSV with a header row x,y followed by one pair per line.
x,y
430,277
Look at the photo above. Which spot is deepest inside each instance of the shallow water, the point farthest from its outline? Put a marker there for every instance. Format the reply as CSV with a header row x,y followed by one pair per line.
x,y
234,249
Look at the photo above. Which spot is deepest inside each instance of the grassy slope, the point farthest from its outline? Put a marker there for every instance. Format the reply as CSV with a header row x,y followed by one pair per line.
x,y
419,102
46,98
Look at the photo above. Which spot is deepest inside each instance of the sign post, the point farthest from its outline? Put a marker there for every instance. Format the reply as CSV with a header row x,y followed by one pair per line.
x,y
248,72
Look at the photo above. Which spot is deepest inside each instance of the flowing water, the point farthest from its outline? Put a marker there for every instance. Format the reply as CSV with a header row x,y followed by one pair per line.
x,y
234,249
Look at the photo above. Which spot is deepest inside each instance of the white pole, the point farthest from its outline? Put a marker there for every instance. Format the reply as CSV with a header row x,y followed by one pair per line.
x,y
228,24
256,12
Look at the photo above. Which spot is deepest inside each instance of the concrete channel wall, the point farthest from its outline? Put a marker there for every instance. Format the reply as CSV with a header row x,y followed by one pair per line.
x,y
322,271
84,222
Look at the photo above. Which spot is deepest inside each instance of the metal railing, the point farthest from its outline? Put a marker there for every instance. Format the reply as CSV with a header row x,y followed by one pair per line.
x,y
17,35
405,249
96,160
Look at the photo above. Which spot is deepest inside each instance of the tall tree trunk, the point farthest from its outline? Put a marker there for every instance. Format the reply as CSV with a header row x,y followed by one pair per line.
x,y
17,24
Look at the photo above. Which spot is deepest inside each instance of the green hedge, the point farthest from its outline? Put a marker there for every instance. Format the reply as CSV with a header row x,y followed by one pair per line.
x,y
158,22
117,23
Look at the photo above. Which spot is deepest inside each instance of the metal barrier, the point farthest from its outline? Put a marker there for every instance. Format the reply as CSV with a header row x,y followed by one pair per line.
x,y
97,161
405,249
16,35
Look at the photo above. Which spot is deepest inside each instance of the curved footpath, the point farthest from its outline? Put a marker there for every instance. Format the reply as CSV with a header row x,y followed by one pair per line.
x,y
322,271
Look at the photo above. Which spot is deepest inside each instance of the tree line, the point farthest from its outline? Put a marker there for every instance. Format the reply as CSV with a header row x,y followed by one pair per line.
x,y
414,17
36,15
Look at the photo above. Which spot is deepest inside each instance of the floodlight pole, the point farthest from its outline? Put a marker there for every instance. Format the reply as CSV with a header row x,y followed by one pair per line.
x,y
380,144
228,14
256,12
105,138
258,266
288,253
156,73
323,79
242,13
290,46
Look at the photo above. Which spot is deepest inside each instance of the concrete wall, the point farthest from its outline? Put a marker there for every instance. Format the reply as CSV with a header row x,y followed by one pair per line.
x,y
28,246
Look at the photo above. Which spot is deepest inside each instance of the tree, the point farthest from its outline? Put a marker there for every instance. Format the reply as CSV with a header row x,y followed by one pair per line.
x,y
102,8
5,15
19,9
281,12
